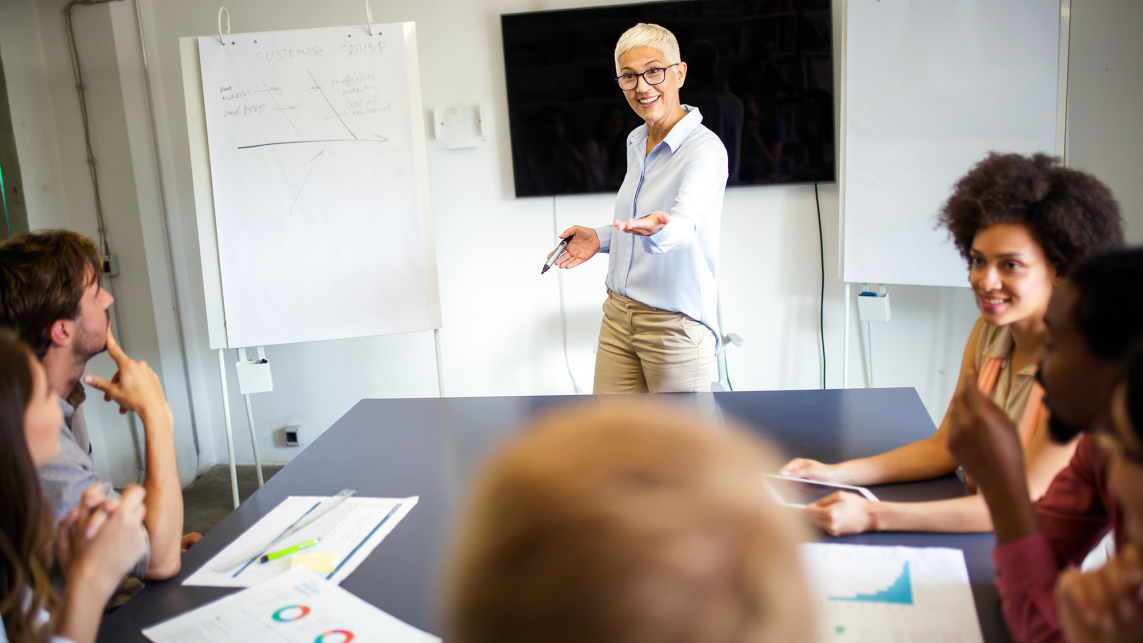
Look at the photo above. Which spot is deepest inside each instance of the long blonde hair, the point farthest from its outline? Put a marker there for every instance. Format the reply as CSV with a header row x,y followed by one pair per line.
x,y
628,523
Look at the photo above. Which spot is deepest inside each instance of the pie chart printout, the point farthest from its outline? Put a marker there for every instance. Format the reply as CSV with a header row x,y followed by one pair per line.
x,y
869,594
295,607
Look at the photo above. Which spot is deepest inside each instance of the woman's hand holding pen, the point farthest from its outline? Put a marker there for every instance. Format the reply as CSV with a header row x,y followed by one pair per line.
x,y
583,247
644,226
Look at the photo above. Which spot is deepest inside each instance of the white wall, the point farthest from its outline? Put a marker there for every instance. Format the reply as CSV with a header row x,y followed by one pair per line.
x,y
501,331
1105,100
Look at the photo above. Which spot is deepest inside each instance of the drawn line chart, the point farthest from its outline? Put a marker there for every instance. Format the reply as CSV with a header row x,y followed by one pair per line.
x,y
313,164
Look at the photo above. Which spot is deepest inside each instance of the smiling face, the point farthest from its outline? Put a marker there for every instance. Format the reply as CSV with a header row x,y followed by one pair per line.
x,y
43,418
1009,275
653,103
1125,475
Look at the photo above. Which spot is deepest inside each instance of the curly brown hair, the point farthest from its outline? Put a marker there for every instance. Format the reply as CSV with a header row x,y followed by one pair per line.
x,y
1071,214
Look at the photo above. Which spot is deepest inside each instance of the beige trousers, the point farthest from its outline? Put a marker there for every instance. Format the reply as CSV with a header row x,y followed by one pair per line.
x,y
644,349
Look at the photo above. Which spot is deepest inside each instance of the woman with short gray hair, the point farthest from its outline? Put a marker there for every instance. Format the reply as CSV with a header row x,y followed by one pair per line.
x,y
659,331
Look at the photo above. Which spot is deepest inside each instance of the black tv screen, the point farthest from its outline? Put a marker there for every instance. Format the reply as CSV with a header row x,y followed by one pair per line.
x,y
760,71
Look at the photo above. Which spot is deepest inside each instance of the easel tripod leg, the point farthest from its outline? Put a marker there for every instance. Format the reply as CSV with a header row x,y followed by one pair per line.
x,y
229,430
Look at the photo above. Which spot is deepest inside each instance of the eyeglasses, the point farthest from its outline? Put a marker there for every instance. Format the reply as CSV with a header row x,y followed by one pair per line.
x,y
653,76
1113,446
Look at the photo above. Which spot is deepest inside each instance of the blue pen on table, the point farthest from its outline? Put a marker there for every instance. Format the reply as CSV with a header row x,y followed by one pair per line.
x,y
560,249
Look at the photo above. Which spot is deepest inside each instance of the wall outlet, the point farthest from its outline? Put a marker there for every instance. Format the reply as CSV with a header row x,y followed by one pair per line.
x,y
293,436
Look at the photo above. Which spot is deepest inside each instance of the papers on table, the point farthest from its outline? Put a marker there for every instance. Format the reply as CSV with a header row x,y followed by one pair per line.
x,y
868,593
350,531
296,607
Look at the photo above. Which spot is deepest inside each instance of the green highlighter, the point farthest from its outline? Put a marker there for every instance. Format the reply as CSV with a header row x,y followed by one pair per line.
x,y
289,550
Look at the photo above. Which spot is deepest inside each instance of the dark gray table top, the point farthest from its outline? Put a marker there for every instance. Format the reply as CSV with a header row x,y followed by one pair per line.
x,y
431,448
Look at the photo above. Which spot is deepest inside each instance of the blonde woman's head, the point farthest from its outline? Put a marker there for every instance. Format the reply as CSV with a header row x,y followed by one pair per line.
x,y
628,523
648,35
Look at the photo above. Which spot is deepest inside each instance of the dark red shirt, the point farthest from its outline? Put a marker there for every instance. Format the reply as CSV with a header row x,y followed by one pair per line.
x,y
1075,513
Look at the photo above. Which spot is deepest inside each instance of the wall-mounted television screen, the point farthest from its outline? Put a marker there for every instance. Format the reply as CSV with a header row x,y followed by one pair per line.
x,y
760,72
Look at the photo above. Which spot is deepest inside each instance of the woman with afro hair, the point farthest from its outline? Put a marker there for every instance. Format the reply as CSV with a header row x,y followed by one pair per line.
x,y
1020,222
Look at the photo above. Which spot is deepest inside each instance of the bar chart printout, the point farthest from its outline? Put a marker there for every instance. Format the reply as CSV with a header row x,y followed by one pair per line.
x,y
870,594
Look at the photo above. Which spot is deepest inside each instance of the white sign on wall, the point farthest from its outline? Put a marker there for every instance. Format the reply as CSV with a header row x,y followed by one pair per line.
x,y
320,194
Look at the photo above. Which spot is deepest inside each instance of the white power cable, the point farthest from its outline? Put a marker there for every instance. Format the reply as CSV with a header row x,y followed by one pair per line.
x,y
563,310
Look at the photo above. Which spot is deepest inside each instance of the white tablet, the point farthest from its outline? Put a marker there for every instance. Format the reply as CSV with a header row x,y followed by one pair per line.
x,y
799,492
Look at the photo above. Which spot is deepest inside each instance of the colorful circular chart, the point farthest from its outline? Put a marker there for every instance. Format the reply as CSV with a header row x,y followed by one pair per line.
x,y
335,636
291,613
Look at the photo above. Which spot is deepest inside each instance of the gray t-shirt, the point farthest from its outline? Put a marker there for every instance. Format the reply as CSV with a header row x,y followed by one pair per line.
x,y
72,472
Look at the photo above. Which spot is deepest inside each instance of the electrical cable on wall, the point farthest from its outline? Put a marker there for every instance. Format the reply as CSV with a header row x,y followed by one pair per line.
x,y
726,370
4,202
869,354
563,311
167,238
821,299
101,226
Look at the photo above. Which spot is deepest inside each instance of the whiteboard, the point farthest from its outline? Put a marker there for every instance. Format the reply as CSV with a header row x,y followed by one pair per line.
x,y
311,184
931,87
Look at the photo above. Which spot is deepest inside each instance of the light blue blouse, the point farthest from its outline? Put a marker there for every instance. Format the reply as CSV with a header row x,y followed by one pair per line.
x,y
675,268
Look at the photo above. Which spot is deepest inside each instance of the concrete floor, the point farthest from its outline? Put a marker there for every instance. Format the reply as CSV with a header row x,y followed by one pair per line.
x,y
207,500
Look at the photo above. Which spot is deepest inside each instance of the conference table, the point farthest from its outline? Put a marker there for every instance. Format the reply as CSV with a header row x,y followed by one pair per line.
x,y
433,448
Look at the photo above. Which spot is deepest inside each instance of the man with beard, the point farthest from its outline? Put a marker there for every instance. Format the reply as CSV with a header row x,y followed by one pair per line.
x,y
50,294
1091,321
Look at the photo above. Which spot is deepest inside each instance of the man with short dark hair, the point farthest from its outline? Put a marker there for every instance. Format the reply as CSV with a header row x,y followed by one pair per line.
x,y
1091,321
50,293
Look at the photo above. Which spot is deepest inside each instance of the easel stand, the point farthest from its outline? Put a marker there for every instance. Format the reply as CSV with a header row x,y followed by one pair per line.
x,y
254,377
872,306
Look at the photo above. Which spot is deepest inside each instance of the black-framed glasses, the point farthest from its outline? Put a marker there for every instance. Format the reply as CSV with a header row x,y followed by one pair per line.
x,y
653,76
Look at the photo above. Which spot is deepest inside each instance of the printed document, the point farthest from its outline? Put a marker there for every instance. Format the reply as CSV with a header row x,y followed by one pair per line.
x,y
865,593
296,607
350,531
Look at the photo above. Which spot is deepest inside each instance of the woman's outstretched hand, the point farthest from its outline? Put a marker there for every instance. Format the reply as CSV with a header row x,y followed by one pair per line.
x,y
644,226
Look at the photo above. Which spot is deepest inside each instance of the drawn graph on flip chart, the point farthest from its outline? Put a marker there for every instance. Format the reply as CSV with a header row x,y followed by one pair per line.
x,y
891,594
318,185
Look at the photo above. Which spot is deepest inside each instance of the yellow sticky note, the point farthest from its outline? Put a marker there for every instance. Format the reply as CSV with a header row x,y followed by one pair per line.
x,y
317,563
